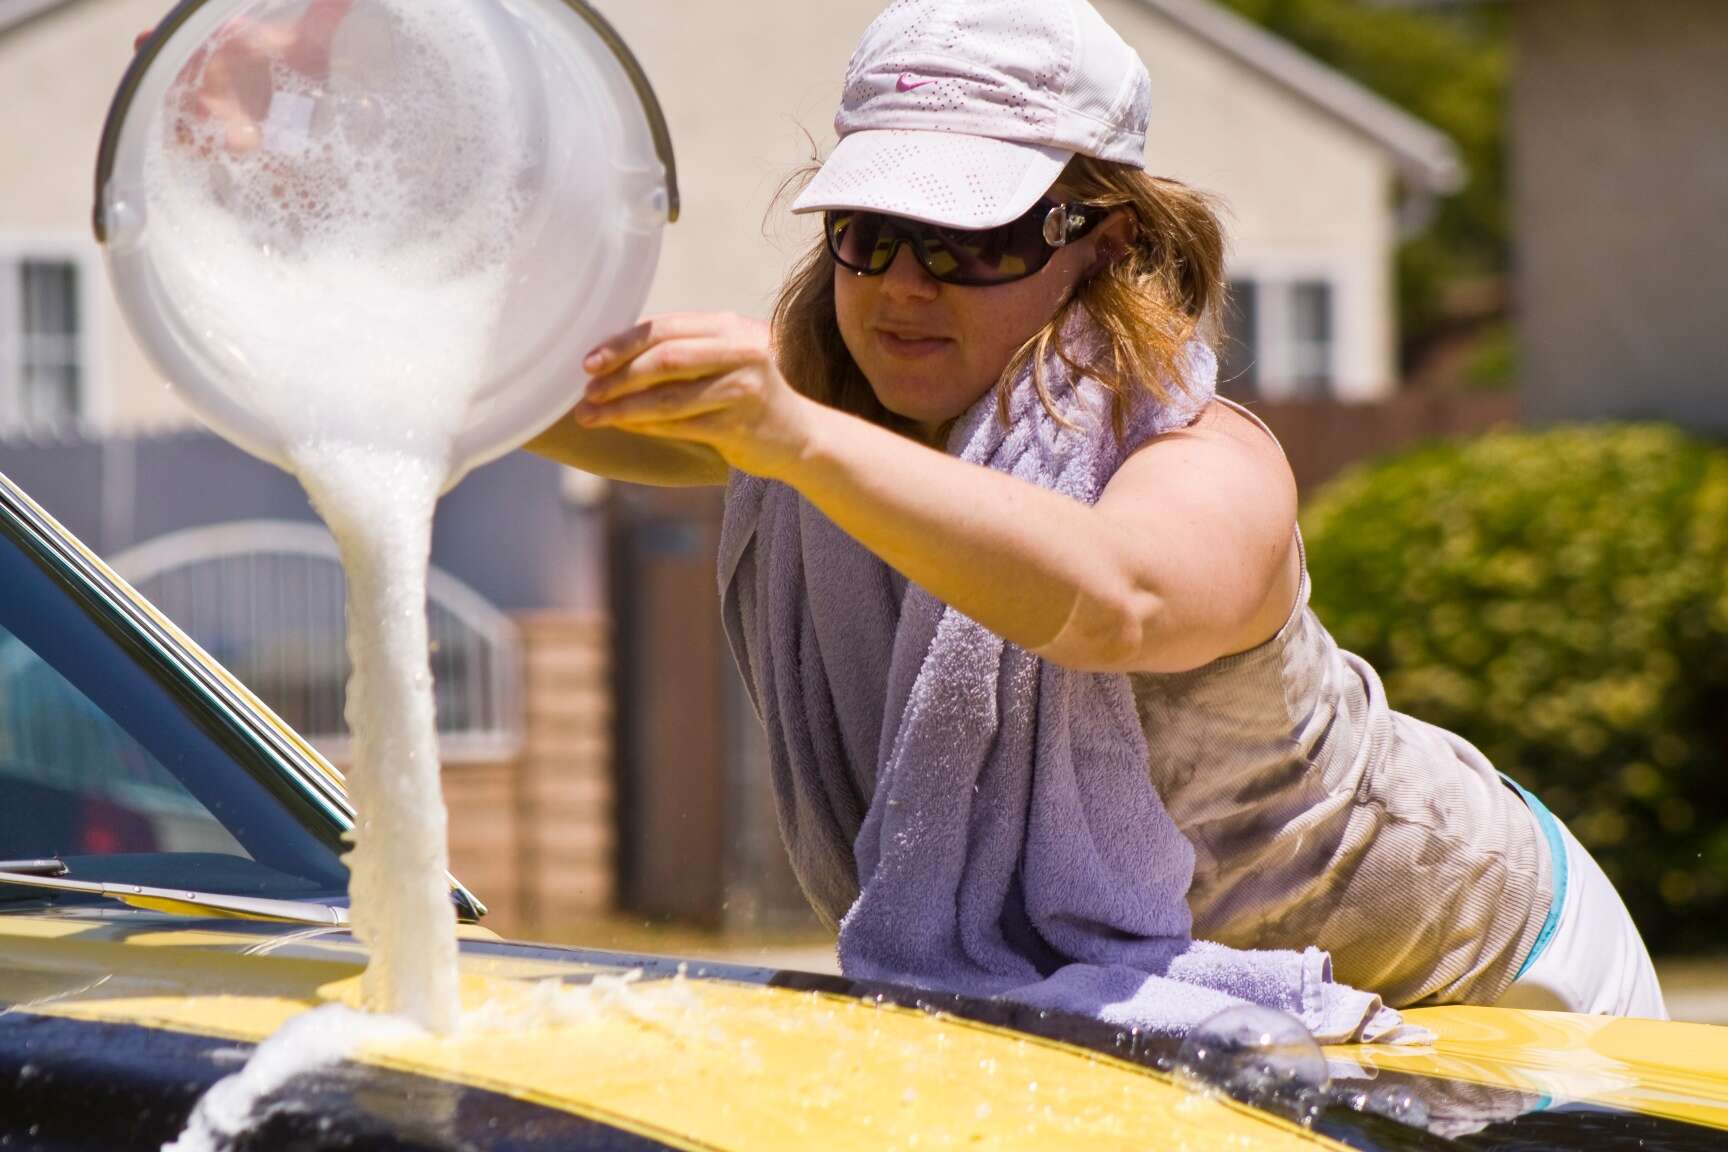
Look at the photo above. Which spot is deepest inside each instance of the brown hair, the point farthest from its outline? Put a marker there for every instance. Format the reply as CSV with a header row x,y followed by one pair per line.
x,y
1164,290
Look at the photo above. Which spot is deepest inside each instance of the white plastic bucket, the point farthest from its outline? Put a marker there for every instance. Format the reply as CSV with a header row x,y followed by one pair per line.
x,y
597,189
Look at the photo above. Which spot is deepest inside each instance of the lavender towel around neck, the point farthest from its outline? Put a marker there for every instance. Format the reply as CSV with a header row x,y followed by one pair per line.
x,y
973,818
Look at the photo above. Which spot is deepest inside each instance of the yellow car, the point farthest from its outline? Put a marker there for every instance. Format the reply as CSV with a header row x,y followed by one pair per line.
x,y
171,895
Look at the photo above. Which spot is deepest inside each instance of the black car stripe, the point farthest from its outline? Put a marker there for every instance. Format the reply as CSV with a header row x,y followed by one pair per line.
x,y
1479,1118
1458,1115
75,1084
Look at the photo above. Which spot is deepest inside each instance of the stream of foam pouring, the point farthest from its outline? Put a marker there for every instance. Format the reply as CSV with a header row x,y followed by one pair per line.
x,y
379,507
355,271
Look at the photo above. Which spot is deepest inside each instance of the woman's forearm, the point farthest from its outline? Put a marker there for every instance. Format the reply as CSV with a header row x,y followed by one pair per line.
x,y
1029,564
620,455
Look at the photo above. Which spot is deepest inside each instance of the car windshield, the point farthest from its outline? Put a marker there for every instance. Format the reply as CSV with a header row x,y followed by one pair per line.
x,y
119,769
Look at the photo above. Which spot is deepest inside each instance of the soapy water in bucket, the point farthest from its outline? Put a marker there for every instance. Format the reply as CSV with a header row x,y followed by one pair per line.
x,y
349,270
346,258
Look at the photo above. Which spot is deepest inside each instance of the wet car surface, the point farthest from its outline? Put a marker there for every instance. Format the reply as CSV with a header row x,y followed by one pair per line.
x,y
130,759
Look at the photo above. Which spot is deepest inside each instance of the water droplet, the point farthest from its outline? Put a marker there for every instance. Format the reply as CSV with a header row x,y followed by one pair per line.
x,y
1259,1056
1396,1102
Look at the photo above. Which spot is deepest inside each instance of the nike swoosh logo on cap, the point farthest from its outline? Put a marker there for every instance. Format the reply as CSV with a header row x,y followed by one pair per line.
x,y
900,85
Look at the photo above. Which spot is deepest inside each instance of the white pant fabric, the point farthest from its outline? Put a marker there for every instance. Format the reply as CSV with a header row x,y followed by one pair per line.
x,y
1595,963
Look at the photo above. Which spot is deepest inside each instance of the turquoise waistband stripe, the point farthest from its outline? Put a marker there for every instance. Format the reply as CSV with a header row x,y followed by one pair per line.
x,y
1550,826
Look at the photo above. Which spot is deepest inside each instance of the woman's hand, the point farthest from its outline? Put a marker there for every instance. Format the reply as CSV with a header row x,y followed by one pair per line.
x,y
702,377
228,80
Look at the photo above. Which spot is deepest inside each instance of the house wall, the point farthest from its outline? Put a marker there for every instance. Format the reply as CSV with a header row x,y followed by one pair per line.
x,y
534,836
57,75
1304,196
1620,180
506,531
741,84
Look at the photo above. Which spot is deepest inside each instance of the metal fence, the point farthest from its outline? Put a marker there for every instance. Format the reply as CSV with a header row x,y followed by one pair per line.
x,y
265,598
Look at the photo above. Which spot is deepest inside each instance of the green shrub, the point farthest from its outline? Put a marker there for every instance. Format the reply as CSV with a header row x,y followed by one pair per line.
x,y
1560,599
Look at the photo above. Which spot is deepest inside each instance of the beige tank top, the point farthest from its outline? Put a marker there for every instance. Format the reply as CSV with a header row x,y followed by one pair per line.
x,y
1320,816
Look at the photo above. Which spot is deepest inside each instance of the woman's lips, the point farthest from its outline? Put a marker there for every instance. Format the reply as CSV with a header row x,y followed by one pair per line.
x,y
910,347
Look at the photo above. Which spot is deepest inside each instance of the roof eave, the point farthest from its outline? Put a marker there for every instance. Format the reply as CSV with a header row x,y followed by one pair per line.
x,y
1426,157
14,13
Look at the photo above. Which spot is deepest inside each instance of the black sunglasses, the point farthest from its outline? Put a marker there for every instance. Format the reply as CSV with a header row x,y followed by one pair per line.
x,y
867,242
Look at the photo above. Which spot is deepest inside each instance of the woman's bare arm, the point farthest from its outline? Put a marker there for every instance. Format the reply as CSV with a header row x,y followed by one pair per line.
x,y
620,455
1186,557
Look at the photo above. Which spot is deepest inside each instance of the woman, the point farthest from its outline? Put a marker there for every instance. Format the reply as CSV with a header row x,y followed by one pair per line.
x,y
983,214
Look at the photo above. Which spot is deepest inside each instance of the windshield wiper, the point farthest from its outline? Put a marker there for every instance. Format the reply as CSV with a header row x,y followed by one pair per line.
x,y
48,867
175,901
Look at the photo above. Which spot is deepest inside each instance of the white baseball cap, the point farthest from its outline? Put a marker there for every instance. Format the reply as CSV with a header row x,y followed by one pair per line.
x,y
964,112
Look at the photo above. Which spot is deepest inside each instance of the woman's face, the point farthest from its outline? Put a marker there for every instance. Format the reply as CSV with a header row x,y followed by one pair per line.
x,y
929,349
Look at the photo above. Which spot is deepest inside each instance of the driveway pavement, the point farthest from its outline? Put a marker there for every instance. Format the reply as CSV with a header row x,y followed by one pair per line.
x,y
1696,989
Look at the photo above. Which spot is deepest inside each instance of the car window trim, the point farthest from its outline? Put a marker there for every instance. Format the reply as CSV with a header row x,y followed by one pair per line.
x,y
118,611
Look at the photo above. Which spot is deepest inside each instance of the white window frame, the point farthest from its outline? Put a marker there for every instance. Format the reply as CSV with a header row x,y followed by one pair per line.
x,y
82,252
1275,279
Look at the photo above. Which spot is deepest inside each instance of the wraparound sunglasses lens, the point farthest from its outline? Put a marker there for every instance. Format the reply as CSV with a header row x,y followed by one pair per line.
x,y
866,243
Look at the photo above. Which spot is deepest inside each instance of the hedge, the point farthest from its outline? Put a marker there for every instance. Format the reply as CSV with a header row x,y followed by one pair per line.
x,y
1560,599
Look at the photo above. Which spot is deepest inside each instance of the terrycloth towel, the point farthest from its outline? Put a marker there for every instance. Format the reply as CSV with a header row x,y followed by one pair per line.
x,y
974,818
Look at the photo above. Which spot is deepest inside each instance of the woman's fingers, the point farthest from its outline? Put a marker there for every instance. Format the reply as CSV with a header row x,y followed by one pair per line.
x,y
673,359
665,405
619,350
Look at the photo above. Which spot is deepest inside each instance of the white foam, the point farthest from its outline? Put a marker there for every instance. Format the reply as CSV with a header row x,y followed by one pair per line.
x,y
351,284
350,274
554,1003
378,505
314,1040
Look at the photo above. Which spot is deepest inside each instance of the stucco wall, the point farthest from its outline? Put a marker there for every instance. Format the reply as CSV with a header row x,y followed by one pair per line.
x,y
57,74
1620,174
505,531
741,82
1303,194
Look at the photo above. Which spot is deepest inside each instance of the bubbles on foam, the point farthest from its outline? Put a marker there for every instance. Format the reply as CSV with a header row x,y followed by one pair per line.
x,y
317,1039
379,507
398,132
352,267
1397,1102
1259,1056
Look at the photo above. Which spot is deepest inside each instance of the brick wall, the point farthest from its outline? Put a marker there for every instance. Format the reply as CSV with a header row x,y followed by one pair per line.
x,y
565,810
533,837
481,798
